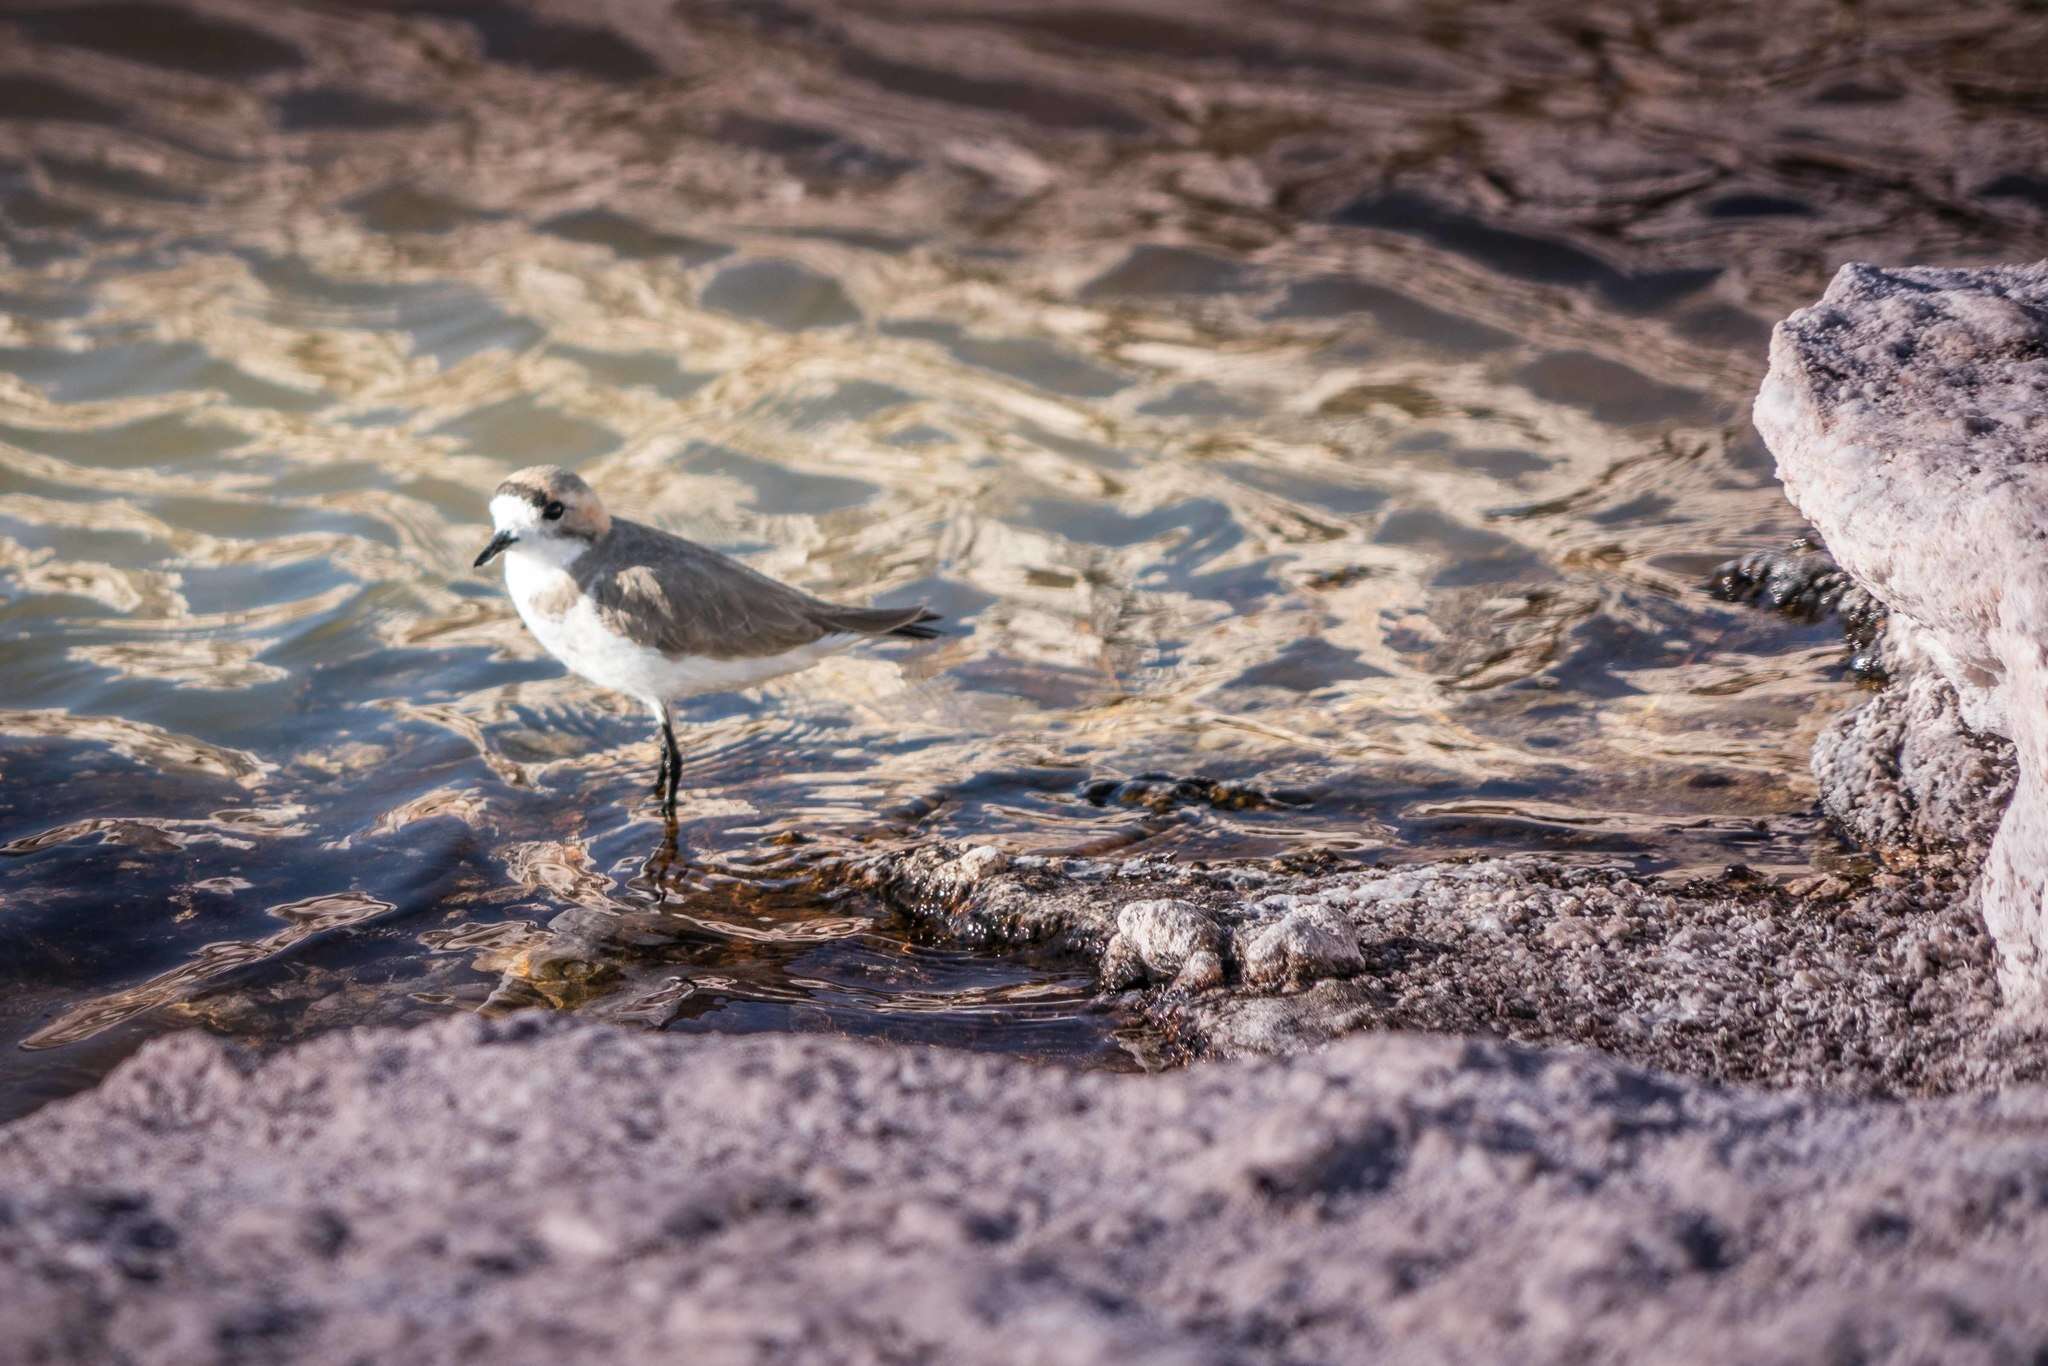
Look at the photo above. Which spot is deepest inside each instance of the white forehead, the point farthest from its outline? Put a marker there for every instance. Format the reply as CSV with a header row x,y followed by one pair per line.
x,y
510,512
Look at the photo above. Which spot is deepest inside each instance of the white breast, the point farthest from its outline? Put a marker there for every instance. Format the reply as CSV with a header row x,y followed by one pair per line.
x,y
580,638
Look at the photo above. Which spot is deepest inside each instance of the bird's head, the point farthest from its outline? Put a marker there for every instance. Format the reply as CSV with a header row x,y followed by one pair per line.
x,y
547,511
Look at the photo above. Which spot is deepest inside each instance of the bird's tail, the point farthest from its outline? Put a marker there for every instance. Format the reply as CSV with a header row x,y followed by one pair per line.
x,y
909,622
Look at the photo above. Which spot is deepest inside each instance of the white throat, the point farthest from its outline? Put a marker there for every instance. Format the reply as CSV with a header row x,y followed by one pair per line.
x,y
551,552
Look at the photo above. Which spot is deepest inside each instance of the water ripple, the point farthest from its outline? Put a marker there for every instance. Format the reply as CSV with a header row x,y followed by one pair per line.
x,y
1336,401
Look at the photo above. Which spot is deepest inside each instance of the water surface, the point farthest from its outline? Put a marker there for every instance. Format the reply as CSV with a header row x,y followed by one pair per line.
x,y
1340,403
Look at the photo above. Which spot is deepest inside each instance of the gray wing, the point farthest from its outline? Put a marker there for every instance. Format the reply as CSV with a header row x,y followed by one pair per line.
x,y
687,599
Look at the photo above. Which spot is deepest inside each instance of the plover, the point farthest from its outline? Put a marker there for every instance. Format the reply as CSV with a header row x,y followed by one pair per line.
x,y
654,616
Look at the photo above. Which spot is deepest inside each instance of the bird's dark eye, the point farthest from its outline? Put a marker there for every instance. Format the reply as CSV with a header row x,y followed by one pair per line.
x,y
553,512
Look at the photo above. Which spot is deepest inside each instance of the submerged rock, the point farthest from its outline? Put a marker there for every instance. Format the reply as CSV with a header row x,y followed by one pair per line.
x,y
1803,581
1908,411
533,1189
1163,792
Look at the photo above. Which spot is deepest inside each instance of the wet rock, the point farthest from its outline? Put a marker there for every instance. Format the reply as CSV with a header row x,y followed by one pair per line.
x,y
1163,792
1857,984
1803,581
803,1198
981,861
975,899
1164,940
1904,411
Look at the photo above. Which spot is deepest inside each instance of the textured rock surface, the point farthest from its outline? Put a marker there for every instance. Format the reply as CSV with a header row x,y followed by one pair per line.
x,y
539,1191
1876,979
1903,777
1164,940
1908,411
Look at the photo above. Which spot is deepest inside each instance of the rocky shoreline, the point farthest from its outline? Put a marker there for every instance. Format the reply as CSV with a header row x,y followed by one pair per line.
x,y
1905,410
532,1186
1876,983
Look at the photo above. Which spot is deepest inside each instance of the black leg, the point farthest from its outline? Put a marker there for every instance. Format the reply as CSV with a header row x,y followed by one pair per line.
x,y
661,764
673,771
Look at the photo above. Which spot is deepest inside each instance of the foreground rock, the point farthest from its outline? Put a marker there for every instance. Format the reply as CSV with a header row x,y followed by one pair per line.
x,y
538,1191
1878,980
1908,410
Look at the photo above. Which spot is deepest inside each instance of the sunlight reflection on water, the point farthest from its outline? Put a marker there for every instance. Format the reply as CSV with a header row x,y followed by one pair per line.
x,y
1343,402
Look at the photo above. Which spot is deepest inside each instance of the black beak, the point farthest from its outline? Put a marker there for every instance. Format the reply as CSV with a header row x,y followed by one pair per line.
x,y
498,543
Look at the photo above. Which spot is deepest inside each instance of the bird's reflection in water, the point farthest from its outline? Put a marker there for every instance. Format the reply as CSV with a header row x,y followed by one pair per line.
x,y
781,938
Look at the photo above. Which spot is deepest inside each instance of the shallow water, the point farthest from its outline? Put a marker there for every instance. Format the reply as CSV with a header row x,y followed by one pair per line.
x,y
1343,403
